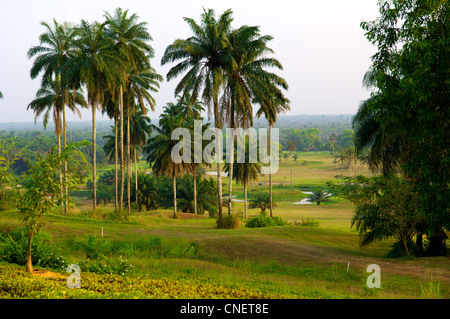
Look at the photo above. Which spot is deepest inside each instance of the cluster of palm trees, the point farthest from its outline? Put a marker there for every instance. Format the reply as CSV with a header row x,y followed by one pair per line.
x,y
228,69
111,61
349,157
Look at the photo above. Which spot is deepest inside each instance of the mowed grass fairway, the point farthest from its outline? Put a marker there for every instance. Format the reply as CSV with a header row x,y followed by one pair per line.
x,y
288,261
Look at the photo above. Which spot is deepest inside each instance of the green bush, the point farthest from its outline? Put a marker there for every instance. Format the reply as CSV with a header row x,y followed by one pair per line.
x,y
230,221
307,222
14,250
262,220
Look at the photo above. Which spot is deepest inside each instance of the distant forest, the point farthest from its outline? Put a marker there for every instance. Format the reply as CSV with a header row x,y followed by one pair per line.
x,y
305,132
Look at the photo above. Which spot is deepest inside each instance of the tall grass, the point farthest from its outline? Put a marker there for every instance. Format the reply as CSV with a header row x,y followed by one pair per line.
x,y
134,246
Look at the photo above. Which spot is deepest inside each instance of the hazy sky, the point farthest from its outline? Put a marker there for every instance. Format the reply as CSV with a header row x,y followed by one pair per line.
x,y
320,44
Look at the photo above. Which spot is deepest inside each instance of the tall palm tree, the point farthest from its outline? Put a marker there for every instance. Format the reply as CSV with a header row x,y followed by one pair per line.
x,y
55,50
131,42
100,68
244,172
158,152
270,106
204,56
341,157
190,111
140,130
291,146
245,76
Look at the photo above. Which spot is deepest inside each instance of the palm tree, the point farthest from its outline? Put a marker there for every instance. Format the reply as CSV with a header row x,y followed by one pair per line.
x,y
244,172
198,200
140,130
270,106
100,68
291,146
190,111
245,76
54,51
130,39
204,56
158,152
374,128
341,157
318,196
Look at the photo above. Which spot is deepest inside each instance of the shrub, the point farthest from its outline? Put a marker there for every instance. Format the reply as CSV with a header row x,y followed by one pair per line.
x,y
262,200
43,254
262,220
230,221
307,222
103,265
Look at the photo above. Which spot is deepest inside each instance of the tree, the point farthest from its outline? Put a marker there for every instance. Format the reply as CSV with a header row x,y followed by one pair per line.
x,y
262,201
203,56
244,172
100,68
201,200
146,192
245,79
131,39
387,208
409,74
270,106
318,196
1,95
41,190
54,51
291,146
50,99
158,152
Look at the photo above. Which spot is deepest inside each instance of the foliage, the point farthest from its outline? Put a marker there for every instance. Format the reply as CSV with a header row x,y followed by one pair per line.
x,y
318,196
263,220
206,194
103,265
229,221
16,284
41,190
386,208
14,250
261,200
307,222
405,121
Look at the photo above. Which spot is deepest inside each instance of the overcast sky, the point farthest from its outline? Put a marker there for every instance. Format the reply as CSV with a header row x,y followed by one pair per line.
x,y
320,44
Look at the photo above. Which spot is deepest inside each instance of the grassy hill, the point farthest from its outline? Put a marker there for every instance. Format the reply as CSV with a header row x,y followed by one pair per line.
x,y
189,258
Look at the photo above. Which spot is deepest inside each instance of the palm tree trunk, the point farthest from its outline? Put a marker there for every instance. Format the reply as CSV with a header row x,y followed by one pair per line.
x,y
230,186
245,199
60,171
122,162
116,160
219,173
291,169
270,169
194,173
136,174
128,160
66,201
94,154
174,196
